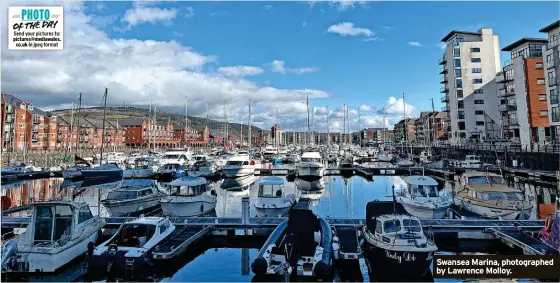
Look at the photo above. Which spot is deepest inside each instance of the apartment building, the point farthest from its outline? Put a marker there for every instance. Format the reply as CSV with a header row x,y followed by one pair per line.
x,y
405,127
551,55
469,66
522,93
140,132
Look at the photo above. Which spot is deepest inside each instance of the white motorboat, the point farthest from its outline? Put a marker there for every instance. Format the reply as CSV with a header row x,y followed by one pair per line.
x,y
311,185
271,201
238,184
142,168
179,157
59,231
487,195
18,170
203,168
189,196
471,161
384,156
269,152
116,157
421,198
311,165
239,165
133,197
132,247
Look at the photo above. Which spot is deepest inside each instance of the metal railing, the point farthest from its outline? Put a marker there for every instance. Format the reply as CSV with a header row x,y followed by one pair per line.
x,y
507,107
510,122
445,109
442,60
444,89
445,98
504,92
553,43
443,79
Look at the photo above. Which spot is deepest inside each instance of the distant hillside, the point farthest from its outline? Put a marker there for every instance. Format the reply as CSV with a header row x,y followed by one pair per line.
x,y
114,113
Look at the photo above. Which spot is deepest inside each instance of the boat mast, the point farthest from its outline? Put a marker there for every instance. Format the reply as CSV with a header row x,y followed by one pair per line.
x,y
328,130
69,147
249,137
405,122
276,141
384,112
150,125
78,130
344,124
226,125
308,126
186,123
155,124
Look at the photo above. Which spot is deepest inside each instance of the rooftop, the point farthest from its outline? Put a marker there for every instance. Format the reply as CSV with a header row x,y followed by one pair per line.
x,y
454,32
550,27
523,41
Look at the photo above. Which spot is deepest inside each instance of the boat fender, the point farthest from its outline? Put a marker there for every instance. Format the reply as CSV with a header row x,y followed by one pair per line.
x,y
9,250
336,248
259,266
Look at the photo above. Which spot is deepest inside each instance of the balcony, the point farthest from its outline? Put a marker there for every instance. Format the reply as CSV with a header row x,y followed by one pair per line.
x,y
510,122
444,89
445,108
555,117
445,98
9,119
505,92
500,79
507,107
443,79
9,109
554,98
553,43
507,63
442,60
443,70
35,128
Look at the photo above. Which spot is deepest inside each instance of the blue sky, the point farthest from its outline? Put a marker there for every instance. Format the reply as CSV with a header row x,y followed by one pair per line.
x,y
390,47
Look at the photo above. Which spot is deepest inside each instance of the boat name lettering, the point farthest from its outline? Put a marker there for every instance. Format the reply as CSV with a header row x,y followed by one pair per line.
x,y
405,256
44,250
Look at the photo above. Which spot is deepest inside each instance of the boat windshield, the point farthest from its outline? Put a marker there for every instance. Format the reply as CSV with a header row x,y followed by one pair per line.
x,y
237,163
199,158
188,190
122,195
270,191
424,191
501,196
310,160
411,225
134,235
479,180
53,223
391,226
171,156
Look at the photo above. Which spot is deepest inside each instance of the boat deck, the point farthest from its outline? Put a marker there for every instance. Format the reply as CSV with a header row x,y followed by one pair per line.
x,y
348,238
180,241
520,239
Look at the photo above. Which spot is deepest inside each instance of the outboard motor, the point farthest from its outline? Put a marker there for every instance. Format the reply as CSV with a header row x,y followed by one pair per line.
x,y
8,252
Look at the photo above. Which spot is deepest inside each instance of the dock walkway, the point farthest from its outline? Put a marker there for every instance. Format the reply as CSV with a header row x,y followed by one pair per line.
x,y
529,245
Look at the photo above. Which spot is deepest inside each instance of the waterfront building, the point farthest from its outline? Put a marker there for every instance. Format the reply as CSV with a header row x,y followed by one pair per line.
x,y
551,55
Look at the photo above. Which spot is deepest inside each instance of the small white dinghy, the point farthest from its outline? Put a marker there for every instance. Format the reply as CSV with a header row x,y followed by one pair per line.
x,y
59,232
271,201
189,196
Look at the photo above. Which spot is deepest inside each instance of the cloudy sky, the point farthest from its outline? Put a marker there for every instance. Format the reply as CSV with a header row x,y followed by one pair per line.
x,y
274,53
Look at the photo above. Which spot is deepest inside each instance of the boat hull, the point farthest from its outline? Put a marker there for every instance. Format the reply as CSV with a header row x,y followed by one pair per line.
x,y
311,171
196,207
272,212
234,172
71,173
131,207
491,212
98,174
388,263
138,173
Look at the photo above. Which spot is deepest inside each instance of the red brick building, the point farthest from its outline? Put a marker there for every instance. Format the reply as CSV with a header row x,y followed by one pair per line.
x,y
141,132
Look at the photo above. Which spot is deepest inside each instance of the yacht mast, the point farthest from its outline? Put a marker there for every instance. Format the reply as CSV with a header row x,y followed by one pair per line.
x,y
308,126
186,123
328,130
78,130
150,125
249,137
155,124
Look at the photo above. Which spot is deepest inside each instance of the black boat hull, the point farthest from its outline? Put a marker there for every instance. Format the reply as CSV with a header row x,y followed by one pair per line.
x,y
98,174
388,263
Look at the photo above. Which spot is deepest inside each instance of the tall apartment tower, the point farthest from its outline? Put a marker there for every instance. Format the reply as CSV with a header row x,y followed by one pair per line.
x,y
522,94
551,55
469,66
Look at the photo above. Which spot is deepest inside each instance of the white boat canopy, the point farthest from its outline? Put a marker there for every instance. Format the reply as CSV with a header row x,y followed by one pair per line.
x,y
188,181
314,155
272,181
420,180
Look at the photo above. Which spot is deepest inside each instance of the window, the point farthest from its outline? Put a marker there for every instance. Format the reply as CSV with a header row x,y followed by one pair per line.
x,y
475,60
478,90
391,226
544,113
555,114
458,73
84,214
459,83
551,78
460,104
22,126
477,70
554,96
478,112
456,52
540,81
475,49
459,93
539,65
23,116
549,61
457,63
462,135
461,114
478,101
480,123
542,97
461,126
477,81
378,227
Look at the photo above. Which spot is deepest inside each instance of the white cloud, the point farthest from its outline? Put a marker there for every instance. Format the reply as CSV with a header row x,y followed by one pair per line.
x,y
414,43
267,7
189,12
142,12
365,108
278,66
134,71
340,5
349,29
396,106
442,45
240,71
372,39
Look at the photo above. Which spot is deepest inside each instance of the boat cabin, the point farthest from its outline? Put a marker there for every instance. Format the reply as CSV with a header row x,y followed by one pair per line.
x,y
188,186
488,187
200,157
132,189
312,157
471,161
137,233
172,167
54,222
391,227
271,187
421,186
239,160
143,163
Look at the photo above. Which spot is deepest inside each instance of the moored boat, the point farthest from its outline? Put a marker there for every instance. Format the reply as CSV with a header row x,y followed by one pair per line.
x,y
271,201
133,197
189,196
421,198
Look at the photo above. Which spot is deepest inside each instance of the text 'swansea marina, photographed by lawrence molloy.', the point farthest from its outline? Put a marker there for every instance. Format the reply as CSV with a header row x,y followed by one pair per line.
x,y
280,141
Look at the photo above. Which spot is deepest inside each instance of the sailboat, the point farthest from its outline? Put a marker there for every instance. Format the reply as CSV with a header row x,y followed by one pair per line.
x,y
103,170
